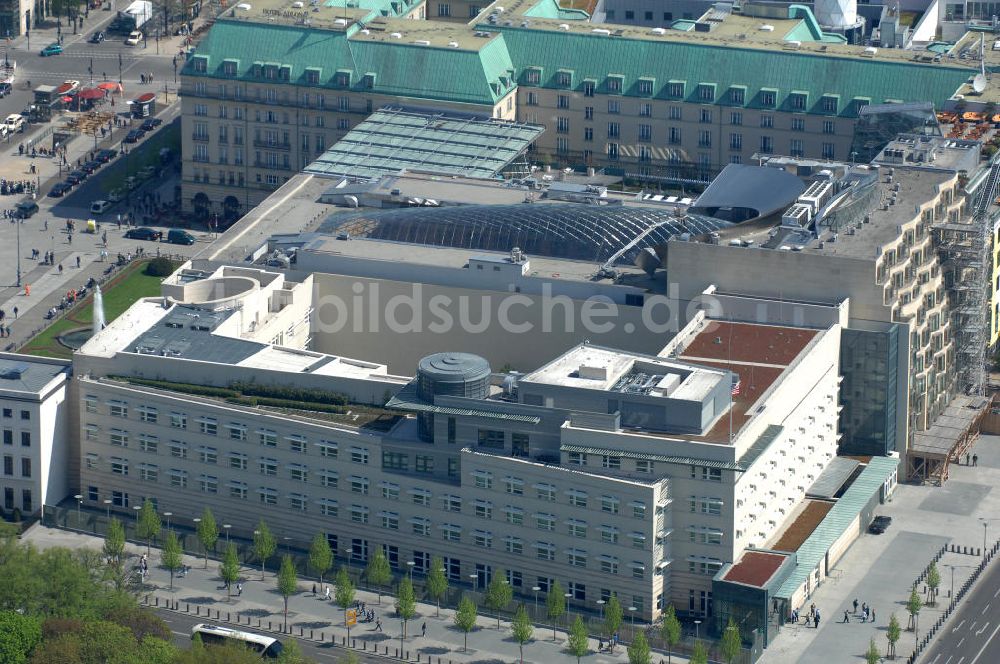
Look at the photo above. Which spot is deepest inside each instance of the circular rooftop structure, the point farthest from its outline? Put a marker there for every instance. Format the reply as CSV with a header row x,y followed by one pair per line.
x,y
557,230
454,374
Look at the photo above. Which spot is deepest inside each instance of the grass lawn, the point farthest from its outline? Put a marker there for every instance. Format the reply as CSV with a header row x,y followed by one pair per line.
x,y
128,286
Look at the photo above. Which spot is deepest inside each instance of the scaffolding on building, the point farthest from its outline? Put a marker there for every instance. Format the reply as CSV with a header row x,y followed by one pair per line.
x,y
965,248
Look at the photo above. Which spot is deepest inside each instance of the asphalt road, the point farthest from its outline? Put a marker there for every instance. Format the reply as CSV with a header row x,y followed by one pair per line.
x,y
972,636
181,624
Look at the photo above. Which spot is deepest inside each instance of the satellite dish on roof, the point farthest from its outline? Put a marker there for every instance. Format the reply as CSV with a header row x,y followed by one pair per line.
x,y
979,84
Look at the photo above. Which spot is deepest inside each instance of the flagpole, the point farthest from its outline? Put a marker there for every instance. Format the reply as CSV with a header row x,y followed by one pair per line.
x,y
732,401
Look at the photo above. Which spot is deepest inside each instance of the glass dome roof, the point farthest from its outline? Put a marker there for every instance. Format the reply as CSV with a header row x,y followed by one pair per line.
x,y
559,230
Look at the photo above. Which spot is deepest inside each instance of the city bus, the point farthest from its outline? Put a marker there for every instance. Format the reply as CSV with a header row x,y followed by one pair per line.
x,y
268,647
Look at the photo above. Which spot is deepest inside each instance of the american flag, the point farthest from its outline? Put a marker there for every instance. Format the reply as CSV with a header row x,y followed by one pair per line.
x,y
736,387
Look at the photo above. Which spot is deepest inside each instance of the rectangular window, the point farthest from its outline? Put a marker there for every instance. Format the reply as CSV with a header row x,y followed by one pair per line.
x,y
645,86
609,534
563,101
514,515
576,458
643,466
178,478
609,565
706,93
482,538
611,462
328,479
421,497
89,404
706,473
119,466
8,465
238,460
645,110
482,479
390,491
268,467
238,490
268,496
26,467
645,132
118,437
797,101
484,509
117,409
768,98
638,509
390,520
208,454
327,507
767,121
147,414
359,455
576,558
674,136
327,449
359,485
828,150
609,504
395,461
237,431
296,444
298,502
424,464
588,88
705,116
545,492
545,551
577,498
491,438
545,522
298,473
675,89
576,528
267,437
208,483
148,443
178,420
452,503
514,486
614,106
513,545
451,532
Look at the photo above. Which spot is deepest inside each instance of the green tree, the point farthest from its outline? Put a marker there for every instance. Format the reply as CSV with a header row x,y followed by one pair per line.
x,y
287,583
731,644
638,651
555,605
143,623
264,545
406,603
892,634
148,526
612,617
576,643
522,629
229,570
670,630
933,582
291,653
344,595
114,540
437,582
378,572
320,556
872,656
19,634
465,619
208,532
913,605
171,556
498,593
699,655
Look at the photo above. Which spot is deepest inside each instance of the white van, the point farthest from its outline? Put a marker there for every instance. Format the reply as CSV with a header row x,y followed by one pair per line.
x,y
100,207
14,122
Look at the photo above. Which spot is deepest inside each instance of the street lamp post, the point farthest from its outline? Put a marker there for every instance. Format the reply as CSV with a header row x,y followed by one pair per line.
x,y
568,597
536,589
107,504
410,564
137,508
79,503
631,613
697,628
226,527
17,224
286,539
168,515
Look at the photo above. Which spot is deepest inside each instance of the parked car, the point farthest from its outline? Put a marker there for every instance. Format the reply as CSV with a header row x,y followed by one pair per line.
x,y
178,236
149,124
51,49
74,178
104,156
134,136
133,38
79,174
100,207
879,525
59,189
5,89
26,209
91,166
143,234
97,37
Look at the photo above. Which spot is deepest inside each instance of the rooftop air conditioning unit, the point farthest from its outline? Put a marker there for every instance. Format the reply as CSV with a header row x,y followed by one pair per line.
x,y
659,31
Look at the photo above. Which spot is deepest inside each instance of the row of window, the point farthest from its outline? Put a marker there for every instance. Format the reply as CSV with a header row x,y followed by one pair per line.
x,y
8,437
8,466
8,413
766,146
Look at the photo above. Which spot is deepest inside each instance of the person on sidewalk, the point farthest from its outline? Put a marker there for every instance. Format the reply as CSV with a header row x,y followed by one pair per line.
x,y
423,630
816,620
873,615
855,605
846,619
378,625
975,460
314,590
239,589
327,595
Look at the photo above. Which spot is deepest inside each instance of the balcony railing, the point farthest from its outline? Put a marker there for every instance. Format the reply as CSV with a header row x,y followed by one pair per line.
x,y
272,145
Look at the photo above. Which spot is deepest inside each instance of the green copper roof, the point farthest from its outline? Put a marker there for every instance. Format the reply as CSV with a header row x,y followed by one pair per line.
x,y
596,57
551,9
402,69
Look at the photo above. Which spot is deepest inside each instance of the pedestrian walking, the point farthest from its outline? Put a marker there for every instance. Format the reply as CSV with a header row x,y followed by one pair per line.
x,y
239,589
846,619
77,262
873,615
15,312
855,605
968,459
816,620
314,590
423,630
327,595
975,459
378,625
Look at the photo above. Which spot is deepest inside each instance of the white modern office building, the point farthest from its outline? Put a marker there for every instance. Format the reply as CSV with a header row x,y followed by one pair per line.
x,y
611,471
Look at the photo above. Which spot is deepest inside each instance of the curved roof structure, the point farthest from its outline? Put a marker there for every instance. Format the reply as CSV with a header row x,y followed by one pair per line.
x,y
742,192
559,230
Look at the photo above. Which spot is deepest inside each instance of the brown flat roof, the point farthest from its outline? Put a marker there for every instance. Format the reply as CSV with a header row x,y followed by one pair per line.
x,y
748,342
755,568
803,526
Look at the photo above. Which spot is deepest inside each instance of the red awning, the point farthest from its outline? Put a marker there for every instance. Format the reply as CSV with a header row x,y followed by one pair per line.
x,y
91,93
67,99
109,85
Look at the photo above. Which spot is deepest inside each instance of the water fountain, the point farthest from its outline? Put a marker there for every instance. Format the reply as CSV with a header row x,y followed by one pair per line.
x,y
99,322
